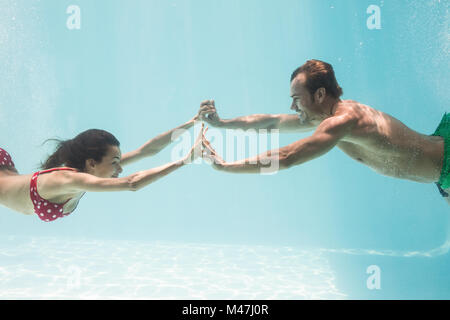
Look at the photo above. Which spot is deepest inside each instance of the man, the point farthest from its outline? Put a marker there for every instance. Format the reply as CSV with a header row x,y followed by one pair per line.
x,y
369,136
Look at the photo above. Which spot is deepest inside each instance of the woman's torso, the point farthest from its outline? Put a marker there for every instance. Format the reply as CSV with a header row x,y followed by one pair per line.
x,y
15,192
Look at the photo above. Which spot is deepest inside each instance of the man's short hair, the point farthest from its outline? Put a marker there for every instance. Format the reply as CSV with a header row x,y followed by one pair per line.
x,y
319,74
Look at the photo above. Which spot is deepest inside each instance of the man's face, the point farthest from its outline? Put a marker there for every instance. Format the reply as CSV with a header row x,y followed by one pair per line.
x,y
302,101
109,167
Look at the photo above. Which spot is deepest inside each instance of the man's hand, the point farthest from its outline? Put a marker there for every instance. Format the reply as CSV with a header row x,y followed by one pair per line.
x,y
208,113
209,153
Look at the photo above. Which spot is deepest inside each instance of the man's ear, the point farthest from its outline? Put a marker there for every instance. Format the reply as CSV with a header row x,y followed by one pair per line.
x,y
319,95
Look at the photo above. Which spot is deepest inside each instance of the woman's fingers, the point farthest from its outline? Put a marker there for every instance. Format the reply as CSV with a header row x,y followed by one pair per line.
x,y
200,134
197,148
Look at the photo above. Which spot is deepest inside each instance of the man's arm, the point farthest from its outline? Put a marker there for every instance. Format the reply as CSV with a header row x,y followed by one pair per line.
x,y
327,135
282,122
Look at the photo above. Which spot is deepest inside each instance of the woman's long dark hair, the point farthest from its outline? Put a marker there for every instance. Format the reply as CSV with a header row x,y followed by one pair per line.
x,y
90,144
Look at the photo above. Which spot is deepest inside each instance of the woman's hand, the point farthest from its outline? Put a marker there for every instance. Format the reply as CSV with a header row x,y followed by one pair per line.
x,y
197,149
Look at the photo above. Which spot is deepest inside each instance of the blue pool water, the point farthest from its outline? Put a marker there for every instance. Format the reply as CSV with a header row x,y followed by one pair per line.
x,y
139,68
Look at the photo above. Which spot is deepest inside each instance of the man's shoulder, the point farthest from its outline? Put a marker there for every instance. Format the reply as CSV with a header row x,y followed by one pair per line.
x,y
351,110
346,116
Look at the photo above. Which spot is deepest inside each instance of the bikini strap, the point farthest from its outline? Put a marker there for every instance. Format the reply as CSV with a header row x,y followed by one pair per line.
x,y
33,182
56,169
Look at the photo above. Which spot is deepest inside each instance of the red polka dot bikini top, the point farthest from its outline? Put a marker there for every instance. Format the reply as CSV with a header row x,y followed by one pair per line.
x,y
46,210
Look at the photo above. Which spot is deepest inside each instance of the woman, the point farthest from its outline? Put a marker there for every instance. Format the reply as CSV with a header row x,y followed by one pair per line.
x,y
92,161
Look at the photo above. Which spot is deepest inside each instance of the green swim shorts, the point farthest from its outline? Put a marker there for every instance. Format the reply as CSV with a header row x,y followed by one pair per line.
x,y
443,130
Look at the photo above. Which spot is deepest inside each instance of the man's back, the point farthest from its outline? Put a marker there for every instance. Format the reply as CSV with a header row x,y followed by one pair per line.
x,y
385,144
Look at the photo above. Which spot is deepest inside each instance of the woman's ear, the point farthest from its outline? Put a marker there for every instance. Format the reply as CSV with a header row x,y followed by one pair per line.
x,y
90,164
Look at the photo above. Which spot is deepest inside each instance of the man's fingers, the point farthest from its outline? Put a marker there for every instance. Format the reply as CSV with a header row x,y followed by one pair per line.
x,y
207,114
205,141
207,109
208,159
206,105
205,144
207,102
209,148
211,116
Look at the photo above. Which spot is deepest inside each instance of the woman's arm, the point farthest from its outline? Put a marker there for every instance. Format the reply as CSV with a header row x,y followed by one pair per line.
x,y
76,182
66,182
155,145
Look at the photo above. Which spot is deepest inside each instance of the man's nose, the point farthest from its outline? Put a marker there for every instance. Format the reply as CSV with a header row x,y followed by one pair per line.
x,y
293,106
120,169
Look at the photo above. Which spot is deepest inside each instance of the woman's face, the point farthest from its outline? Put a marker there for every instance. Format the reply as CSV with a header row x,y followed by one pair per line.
x,y
109,167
